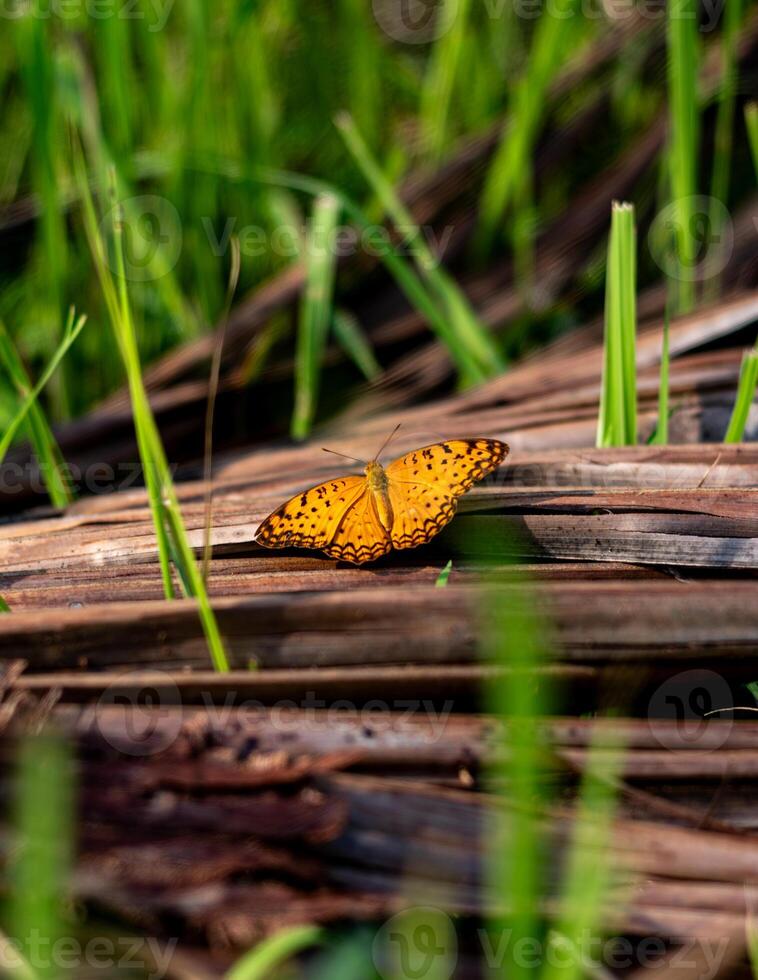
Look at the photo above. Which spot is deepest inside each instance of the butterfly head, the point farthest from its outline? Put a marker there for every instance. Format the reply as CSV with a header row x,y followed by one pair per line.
x,y
377,478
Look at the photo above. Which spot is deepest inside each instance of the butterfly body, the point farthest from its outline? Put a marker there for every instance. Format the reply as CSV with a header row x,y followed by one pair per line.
x,y
379,487
402,505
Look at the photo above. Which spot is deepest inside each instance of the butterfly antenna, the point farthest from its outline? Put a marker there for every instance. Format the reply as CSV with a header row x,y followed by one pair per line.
x,y
388,440
351,458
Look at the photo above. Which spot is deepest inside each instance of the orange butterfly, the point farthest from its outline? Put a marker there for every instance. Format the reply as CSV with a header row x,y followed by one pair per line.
x,y
361,518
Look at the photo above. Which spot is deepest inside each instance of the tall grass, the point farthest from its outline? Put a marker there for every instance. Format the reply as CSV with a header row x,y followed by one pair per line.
x,y
173,543
723,139
684,141
617,421
468,341
440,80
511,164
37,63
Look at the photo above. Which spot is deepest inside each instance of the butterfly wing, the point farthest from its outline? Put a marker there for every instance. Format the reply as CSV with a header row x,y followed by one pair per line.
x,y
311,518
424,485
360,536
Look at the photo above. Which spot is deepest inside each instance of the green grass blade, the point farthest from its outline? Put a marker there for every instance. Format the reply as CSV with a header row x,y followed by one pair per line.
x,y
261,961
49,460
617,420
132,368
516,861
661,435
41,861
440,80
315,311
751,935
354,342
745,394
467,339
444,575
683,58
171,535
36,54
585,889
512,158
751,123
4,607
724,132
375,240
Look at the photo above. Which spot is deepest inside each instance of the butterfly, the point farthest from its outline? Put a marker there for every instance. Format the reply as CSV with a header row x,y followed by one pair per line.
x,y
402,505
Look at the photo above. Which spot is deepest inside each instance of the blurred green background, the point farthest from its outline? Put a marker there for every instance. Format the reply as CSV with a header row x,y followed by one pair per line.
x,y
201,106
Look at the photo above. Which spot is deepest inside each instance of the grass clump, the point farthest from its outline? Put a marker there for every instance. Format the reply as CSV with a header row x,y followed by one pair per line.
x,y
51,462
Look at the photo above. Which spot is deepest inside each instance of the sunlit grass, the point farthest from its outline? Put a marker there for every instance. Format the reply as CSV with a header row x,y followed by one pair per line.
x,y
617,421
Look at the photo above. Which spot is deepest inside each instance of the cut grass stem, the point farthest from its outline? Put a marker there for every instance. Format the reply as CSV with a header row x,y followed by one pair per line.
x,y
617,421
682,38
